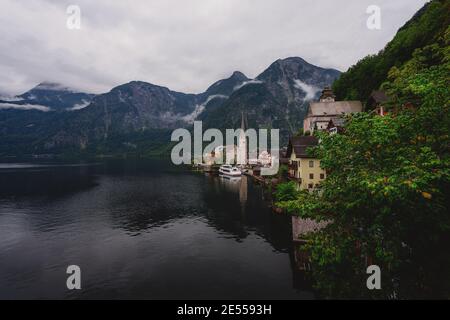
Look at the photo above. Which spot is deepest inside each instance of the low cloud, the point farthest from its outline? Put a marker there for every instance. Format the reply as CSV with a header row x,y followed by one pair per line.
x,y
24,107
246,83
10,99
184,45
80,106
190,118
310,90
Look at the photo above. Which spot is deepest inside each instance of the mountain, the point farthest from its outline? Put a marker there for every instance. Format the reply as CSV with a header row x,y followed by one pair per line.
x,y
294,80
226,86
277,98
215,96
139,116
132,111
129,108
27,120
48,96
426,27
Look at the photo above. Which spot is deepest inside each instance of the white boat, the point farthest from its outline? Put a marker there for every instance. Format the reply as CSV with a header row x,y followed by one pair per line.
x,y
230,179
229,170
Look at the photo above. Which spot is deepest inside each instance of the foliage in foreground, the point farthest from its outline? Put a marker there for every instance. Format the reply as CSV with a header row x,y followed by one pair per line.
x,y
388,190
370,72
286,191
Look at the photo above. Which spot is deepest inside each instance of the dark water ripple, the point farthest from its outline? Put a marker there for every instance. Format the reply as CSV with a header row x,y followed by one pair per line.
x,y
140,230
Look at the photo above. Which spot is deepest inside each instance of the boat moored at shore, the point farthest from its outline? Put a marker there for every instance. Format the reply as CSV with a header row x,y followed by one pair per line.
x,y
229,170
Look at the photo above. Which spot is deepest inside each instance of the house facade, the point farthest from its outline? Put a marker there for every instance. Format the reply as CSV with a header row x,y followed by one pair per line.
x,y
336,126
377,102
303,168
320,113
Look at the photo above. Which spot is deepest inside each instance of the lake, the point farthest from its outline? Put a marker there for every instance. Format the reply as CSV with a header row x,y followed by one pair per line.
x,y
140,230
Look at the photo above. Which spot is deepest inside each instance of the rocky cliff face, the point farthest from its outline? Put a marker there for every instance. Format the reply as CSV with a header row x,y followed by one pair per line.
x,y
293,80
30,120
48,96
136,107
277,98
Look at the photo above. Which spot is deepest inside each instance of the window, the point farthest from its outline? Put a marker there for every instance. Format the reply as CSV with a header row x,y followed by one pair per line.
x,y
311,175
311,164
322,176
310,186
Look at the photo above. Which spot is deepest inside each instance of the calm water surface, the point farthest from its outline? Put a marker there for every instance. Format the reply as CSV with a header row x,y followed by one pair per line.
x,y
142,230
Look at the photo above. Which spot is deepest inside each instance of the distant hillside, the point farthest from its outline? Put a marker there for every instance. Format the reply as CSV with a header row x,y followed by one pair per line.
x,y
48,96
277,98
425,28
138,117
29,119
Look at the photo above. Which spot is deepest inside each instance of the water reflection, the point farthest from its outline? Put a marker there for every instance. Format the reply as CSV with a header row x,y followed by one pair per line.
x,y
243,188
40,180
140,230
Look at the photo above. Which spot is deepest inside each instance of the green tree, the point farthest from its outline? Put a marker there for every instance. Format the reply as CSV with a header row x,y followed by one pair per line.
x,y
300,132
286,191
427,25
387,191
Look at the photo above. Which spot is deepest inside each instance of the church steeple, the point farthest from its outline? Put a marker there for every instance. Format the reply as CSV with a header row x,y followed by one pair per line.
x,y
243,121
242,147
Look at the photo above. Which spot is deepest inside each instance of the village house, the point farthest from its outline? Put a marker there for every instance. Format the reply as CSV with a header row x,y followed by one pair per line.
x,y
221,154
303,168
377,102
336,126
320,113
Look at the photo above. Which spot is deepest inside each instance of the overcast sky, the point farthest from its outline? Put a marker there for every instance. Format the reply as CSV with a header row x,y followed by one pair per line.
x,y
183,44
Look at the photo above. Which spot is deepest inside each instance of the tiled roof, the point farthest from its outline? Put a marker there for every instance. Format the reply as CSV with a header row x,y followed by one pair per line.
x,y
379,96
338,122
300,144
334,108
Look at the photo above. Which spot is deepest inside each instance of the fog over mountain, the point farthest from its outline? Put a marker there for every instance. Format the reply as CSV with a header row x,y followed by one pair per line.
x,y
48,96
133,73
184,45
53,118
